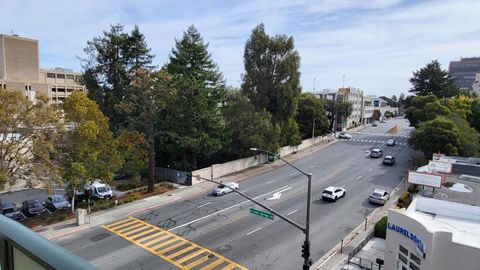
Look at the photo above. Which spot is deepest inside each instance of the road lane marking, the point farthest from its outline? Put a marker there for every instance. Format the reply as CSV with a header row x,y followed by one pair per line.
x,y
205,204
228,208
292,174
371,169
273,181
172,248
358,177
256,230
292,212
311,167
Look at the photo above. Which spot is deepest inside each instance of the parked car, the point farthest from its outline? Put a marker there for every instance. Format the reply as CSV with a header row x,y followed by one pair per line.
x,y
376,153
344,135
333,193
10,210
389,160
391,142
32,208
379,196
57,202
225,188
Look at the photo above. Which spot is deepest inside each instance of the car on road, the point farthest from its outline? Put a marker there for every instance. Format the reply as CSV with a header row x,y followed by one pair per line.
x,y
375,123
225,188
32,208
10,210
379,196
376,153
333,193
389,160
344,135
391,142
57,202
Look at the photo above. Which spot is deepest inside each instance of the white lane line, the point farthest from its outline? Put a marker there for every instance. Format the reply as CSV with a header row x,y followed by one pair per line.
x,y
292,174
358,177
371,169
311,167
205,204
292,212
254,231
273,181
225,209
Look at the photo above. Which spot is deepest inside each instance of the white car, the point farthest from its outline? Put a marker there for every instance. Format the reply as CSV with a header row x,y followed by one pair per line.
x,y
379,196
225,188
333,193
344,135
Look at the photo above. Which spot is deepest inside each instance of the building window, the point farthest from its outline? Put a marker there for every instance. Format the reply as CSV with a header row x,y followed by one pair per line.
x,y
69,77
60,76
404,260
51,75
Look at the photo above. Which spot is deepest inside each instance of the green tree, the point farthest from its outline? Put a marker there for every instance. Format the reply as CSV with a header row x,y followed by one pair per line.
x,y
272,79
432,80
376,115
90,151
310,108
196,126
133,147
438,135
337,112
111,59
29,134
248,127
469,137
145,108
475,116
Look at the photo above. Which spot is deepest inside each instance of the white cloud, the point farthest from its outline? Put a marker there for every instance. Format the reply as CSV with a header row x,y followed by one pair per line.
x,y
376,44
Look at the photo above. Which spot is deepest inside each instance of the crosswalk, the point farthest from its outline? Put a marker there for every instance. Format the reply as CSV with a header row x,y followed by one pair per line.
x,y
370,141
382,134
172,248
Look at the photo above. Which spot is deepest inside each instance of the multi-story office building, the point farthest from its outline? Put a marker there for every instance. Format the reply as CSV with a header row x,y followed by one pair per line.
x,y
20,70
464,71
355,97
476,84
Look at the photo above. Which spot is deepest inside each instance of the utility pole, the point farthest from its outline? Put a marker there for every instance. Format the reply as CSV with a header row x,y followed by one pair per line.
x,y
313,132
343,81
313,84
307,262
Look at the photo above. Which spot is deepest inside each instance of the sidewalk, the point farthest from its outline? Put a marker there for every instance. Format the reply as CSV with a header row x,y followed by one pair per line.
x,y
333,259
68,227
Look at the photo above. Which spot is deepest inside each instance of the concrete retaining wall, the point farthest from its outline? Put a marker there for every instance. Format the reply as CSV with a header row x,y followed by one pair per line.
x,y
219,170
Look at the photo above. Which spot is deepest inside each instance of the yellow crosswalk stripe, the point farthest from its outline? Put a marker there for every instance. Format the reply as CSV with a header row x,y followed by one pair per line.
x,y
160,242
213,265
198,262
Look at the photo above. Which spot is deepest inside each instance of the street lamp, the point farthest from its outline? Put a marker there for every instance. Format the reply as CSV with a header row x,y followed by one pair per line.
x,y
306,230
313,132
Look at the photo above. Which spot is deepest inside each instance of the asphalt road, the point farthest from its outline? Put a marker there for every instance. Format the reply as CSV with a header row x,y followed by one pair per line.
x,y
225,226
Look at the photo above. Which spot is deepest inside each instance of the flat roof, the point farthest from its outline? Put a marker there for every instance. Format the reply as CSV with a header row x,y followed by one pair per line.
x,y
462,220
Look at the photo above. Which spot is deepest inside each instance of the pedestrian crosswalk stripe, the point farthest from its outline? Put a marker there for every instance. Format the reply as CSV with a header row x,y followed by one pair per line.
x,y
172,248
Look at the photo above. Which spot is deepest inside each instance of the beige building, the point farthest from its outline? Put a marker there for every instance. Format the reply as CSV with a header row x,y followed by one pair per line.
x,y
433,234
20,70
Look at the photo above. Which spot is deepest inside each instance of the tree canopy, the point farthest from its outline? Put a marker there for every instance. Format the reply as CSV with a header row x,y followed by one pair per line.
x,y
272,79
311,109
432,80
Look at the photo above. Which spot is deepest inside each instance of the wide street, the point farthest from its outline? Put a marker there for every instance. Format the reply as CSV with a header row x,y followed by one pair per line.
x,y
221,230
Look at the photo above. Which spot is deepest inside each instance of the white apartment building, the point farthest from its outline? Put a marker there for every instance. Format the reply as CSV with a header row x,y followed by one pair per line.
x,y
355,97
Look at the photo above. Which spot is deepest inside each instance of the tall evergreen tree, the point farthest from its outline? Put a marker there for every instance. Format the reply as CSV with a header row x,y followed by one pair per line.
x,y
111,59
272,79
432,80
196,125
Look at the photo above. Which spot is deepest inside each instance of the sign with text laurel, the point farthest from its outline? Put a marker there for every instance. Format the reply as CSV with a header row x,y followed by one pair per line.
x,y
261,213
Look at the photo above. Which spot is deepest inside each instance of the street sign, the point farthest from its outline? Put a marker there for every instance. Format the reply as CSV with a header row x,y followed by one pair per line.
x,y
261,213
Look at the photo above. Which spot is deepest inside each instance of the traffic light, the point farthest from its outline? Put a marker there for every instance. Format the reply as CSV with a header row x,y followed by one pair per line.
x,y
306,250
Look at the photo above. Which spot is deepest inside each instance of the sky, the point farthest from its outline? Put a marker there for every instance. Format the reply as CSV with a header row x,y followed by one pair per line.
x,y
374,45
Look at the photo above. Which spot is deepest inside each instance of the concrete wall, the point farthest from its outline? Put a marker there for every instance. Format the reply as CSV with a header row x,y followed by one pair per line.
x,y
20,59
219,170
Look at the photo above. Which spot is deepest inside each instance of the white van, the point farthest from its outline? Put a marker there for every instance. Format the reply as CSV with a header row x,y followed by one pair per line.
x,y
97,189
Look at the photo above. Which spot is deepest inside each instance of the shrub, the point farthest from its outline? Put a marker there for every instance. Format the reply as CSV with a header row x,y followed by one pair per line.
x,y
404,200
381,228
448,184
127,186
413,189
131,197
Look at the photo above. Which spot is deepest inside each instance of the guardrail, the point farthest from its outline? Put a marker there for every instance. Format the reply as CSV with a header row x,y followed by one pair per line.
x,y
21,248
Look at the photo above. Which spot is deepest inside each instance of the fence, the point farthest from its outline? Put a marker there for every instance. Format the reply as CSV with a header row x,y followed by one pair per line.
x,y
364,263
174,176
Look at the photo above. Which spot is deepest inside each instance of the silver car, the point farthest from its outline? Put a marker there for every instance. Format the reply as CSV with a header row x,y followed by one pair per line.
x,y
379,196
57,202
225,188
376,153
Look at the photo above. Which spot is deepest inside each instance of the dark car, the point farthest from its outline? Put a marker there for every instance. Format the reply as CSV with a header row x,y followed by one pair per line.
x,y
56,202
32,208
10,210
389,160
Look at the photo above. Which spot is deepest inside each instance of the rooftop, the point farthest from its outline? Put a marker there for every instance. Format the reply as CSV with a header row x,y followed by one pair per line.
x,y
462,220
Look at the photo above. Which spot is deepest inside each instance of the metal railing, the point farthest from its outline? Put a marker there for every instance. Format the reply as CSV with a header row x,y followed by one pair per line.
x,y
21,248
364,263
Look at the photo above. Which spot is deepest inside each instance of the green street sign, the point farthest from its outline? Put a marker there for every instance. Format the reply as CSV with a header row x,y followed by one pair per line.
x,y
261,213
